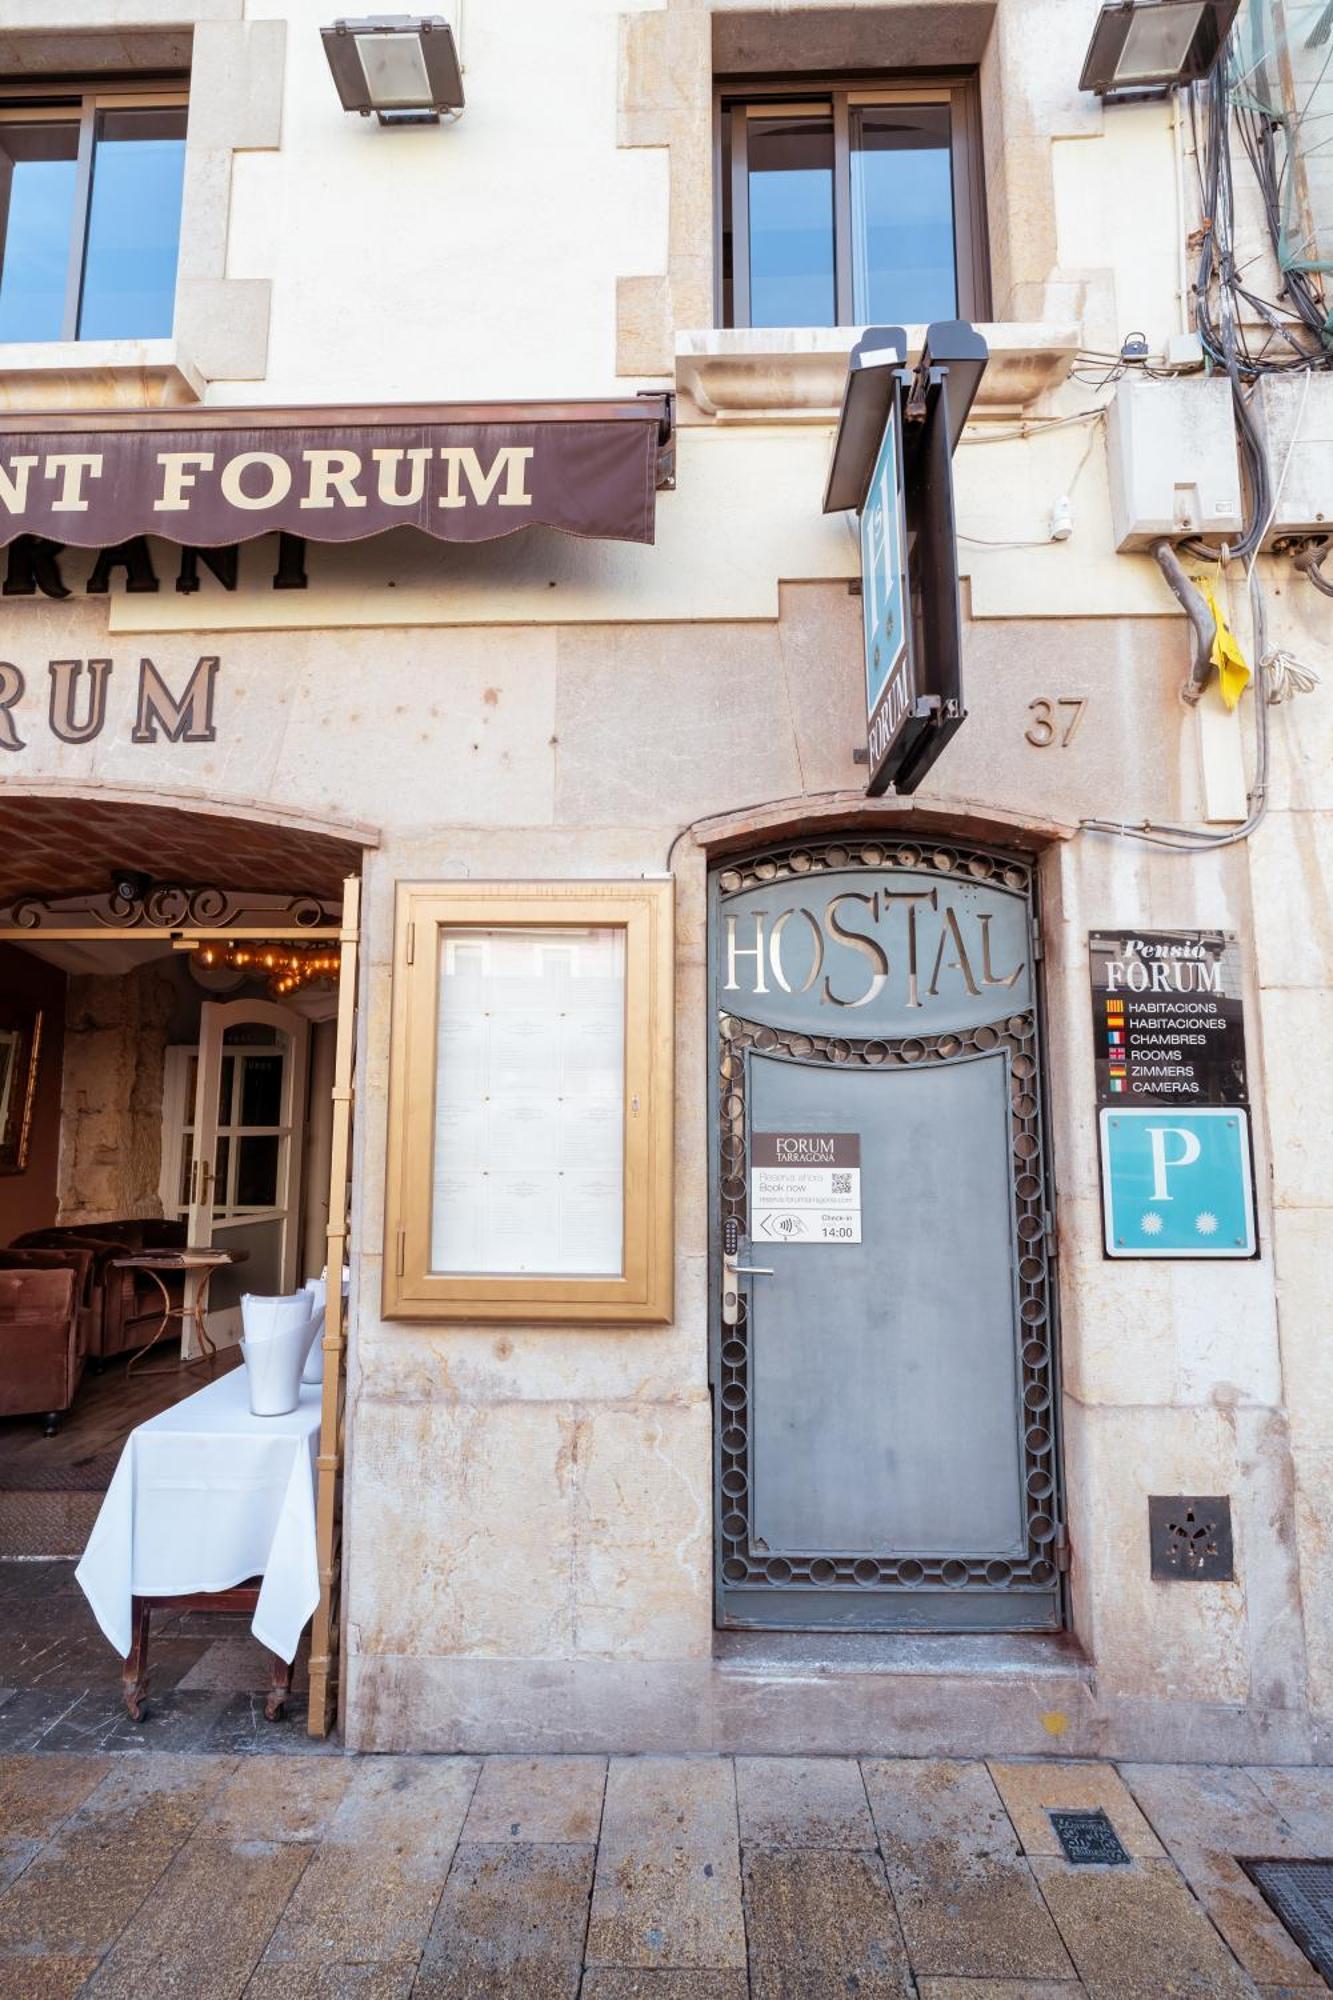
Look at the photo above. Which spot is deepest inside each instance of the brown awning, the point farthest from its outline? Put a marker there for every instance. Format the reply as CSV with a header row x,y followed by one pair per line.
x,y
211,477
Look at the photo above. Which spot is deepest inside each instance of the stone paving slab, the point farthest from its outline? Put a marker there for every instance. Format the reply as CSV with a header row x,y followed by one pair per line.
x,y
36,1794
803,1802
1209,1814
511,1921
643,1985
1137,1933
370,1892
76,1897
544,1799
1031,1792
966,1900
668,1889
204,1927
821,1922
194,1877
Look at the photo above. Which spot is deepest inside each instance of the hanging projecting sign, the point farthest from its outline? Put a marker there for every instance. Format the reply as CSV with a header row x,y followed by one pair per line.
x,y
884,598
212,478
893,465
1169,1053
1168,1022
805,1187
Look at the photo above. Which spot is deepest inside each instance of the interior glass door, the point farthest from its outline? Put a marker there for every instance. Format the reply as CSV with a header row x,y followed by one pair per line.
x,y
244,1188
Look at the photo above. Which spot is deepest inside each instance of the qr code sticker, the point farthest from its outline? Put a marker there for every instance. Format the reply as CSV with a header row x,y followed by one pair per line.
x,y
842,1183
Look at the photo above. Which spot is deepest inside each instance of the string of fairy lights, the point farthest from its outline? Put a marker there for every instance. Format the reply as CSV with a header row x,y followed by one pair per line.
x,y
288,968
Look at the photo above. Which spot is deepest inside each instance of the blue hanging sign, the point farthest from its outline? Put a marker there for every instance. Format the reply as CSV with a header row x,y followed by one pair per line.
x,y
1177,1183
890,688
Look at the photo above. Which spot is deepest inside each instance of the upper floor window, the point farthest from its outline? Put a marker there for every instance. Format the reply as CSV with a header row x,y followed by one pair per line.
x,y
90,209
851,206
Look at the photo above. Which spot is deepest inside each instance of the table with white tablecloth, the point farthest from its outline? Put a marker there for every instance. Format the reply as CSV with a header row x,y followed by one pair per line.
x,y
205,1497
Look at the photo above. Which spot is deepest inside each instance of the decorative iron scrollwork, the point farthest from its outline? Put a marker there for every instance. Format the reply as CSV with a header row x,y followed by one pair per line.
x,y
174,906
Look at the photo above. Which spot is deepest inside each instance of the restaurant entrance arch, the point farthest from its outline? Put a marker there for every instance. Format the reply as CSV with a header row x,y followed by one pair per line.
x,y
128,925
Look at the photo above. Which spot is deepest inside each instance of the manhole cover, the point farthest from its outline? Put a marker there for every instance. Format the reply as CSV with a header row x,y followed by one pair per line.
x,y
1301,1894
1088,1839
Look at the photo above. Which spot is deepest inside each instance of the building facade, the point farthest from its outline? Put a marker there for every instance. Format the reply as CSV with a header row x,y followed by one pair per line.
x,y
618,1470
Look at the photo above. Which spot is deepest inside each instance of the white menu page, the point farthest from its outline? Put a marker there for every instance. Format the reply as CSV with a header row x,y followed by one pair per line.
x,y
530,1103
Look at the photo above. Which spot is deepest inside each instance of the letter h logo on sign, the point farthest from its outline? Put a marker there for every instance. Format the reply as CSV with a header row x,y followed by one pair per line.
x,y
1177,1183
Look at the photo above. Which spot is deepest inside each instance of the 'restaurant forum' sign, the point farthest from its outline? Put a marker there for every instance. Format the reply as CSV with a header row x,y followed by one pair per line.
x,y
214,478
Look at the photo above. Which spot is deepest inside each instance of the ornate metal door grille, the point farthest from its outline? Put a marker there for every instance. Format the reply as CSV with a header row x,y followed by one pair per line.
x,y
741,1566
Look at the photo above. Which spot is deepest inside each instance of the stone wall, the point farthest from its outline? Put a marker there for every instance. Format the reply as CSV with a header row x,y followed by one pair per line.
x,y
116,1032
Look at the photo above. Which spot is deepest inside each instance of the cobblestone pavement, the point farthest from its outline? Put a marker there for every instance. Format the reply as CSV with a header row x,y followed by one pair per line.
x,y
206,1872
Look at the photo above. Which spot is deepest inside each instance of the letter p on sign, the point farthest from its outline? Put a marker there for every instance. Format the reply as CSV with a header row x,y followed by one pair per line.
x,y
1190,1150
1177,1183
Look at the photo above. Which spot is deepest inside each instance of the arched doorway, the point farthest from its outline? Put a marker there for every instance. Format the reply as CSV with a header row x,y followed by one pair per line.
x,y
884,1358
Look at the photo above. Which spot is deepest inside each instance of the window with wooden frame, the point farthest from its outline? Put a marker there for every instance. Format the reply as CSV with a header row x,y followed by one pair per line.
x,y
90,212
530,1105
850,203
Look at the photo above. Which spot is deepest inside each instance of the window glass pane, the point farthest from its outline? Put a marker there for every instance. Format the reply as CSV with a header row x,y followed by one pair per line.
x,y
226,1085
530,1103
257,1172
129,270
37,182
790,160
261,1090
903,267
221,1188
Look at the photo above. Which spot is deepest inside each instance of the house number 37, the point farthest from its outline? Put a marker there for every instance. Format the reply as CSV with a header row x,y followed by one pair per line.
x,y
1054,720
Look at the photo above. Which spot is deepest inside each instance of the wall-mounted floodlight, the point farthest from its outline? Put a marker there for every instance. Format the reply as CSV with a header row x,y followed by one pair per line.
x,y
1152,45
403,67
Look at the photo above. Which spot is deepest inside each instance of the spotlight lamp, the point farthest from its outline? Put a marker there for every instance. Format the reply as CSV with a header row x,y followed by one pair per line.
x,y
1143,46
403,67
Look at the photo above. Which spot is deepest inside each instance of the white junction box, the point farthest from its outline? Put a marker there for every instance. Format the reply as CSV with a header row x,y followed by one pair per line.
x,y
1294,414
1171,448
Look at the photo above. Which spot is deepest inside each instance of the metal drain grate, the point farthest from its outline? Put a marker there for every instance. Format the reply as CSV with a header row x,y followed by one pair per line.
x,y
1088,1839
1301,1894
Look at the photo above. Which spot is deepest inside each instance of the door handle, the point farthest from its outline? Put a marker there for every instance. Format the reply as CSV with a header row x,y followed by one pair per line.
x,y
752,1271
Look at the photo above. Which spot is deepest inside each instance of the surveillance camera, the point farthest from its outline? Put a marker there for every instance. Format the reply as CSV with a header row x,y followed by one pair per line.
x,y
131,885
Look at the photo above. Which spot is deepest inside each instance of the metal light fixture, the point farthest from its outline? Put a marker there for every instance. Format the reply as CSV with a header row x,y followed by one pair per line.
x,y
403,67
1153,45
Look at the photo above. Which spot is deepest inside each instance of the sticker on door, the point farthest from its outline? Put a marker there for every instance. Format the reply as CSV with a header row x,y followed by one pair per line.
x,y
805,1187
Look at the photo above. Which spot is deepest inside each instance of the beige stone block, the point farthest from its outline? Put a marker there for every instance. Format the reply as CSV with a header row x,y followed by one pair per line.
x,y
1031,1792
481,1561
689,704
223,324
1301,1249
643,326
1178,1640
1295,1023
642,1573
1291,865
1314,1542
236,77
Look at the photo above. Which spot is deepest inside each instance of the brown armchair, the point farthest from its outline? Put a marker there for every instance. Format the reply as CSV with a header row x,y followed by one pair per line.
x,y
127,1304
80,1258
40,1356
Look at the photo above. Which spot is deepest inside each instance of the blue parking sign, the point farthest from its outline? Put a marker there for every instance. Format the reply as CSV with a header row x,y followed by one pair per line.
x,y
1177,1183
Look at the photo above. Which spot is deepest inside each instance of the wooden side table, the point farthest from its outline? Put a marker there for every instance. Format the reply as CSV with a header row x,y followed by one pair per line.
x,y
242,1599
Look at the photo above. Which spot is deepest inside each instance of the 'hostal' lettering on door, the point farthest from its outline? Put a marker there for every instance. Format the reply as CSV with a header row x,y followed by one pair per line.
x,y
915,938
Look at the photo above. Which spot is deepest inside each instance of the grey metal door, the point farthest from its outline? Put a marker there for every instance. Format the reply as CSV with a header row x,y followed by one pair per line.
x,y
883,1348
